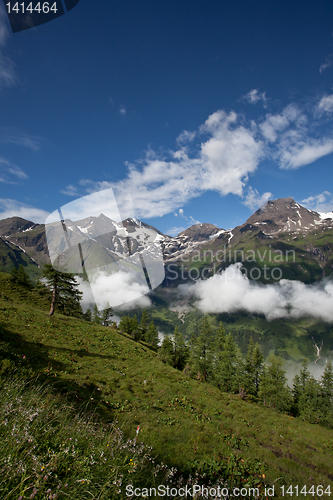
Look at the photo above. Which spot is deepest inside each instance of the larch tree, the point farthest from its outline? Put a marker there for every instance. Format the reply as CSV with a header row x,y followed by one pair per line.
x,y
65,293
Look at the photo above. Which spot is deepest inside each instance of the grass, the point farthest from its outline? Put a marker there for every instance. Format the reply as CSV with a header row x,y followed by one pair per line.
x,y
190,425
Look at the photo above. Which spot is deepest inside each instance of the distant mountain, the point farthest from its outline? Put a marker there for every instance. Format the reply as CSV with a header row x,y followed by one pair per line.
x,y
280,228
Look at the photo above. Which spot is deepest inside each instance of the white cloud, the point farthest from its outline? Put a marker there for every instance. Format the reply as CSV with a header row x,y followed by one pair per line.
x,y
9,170
291,143
158,185
23,140
274,124
231,291
7,73
254,200
327,64
230,151
188,218
185,136
14,208
326,103
255,96
299,152
322,202
122,111
70,190
119,290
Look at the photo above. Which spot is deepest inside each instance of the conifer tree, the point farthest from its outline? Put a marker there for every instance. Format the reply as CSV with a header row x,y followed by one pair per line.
x,y
144,323
20,276
227,370
253,368
180,350
106,315
130,326
96,316
165,352
87,316
201,350
299,384
151,335
327,382
65,292
310,402
273,389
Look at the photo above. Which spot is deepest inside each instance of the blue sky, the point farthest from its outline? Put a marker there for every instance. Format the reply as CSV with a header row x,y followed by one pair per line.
x,y
191,111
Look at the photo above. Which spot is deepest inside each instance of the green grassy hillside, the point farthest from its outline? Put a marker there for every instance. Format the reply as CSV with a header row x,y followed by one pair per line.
x,y
190,425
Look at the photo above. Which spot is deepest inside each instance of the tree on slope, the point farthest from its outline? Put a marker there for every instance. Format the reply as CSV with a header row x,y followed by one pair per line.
x,y
253,368
65,292
273,388
202,350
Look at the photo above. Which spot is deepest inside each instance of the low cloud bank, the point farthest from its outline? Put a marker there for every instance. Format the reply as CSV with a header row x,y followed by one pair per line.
x,y
231,291
119,290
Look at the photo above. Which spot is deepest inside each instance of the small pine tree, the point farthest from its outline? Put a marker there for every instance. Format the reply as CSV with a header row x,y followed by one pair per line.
x,y
227,366
180,350
151,336
96,316
22,277
87,316
253,368
273,389
14,275
106,315
165,352
201,351
65,292
144,323
327,381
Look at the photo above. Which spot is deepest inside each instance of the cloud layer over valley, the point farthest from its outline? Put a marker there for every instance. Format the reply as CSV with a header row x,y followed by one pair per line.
x,y
231,291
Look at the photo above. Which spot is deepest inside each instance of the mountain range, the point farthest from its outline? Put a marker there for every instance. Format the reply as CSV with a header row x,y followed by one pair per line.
x,y
280,234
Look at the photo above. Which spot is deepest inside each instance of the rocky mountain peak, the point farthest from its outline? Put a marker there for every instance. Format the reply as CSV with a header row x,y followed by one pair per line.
x,y
199,232
14,225
283,214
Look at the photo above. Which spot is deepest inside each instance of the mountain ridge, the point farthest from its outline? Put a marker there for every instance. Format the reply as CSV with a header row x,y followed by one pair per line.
x,y
278,223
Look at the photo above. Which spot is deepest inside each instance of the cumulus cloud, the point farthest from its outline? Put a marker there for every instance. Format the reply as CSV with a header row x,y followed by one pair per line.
x,y
7,73
254,200
14,208
231,291
220,156
291,143
157,185
322,202
120,290
255,96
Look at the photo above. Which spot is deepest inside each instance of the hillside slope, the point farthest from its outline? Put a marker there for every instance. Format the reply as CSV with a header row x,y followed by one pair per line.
x,y
184,420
